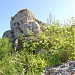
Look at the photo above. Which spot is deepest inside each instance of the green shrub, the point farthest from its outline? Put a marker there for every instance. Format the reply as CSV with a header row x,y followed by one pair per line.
x,y
52,46
5,47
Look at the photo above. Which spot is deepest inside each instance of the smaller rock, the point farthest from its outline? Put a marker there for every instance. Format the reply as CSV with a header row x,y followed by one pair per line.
x,y
64,69
9,34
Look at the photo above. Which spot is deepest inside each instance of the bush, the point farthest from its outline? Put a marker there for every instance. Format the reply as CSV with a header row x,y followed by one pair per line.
x,y
5,47
50,47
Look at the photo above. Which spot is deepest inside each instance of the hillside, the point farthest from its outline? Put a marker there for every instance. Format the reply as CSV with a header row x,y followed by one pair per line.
x,y
40,49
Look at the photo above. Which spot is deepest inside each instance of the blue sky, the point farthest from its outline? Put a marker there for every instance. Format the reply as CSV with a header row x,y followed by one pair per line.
x,y
62,9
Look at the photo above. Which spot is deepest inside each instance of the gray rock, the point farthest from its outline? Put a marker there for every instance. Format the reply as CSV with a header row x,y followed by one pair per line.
x,y
23,23
9,34
64,69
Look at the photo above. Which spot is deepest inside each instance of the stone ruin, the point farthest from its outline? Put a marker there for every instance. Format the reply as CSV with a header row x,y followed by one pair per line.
x,y
21,22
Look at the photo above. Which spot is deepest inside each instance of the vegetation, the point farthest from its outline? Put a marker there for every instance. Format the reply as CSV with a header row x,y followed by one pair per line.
x,y
54,45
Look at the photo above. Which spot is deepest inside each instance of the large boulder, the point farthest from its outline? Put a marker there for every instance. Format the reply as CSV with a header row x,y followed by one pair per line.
x,y
23,21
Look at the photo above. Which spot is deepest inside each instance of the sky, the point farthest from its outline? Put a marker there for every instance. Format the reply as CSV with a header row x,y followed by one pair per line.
x,y
61,9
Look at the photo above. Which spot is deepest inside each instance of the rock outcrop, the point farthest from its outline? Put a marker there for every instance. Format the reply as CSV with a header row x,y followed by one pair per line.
x,y
64,69
23,21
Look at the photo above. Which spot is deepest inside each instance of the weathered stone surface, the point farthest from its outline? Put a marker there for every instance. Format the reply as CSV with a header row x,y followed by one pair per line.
x,y
64,69
23,21
9,34
23,16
